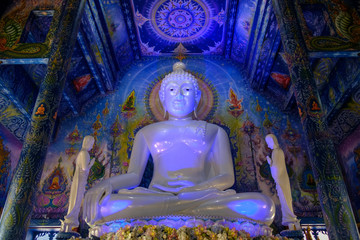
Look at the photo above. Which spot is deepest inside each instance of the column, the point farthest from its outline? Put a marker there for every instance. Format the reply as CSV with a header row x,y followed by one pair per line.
x,y
333,196
17,211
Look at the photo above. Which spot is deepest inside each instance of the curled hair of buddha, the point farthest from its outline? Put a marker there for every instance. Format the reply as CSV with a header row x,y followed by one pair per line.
x,y
178,73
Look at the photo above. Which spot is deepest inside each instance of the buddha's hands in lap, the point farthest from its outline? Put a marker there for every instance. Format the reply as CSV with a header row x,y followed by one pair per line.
x,y
187,190
177,186
193,193
94,198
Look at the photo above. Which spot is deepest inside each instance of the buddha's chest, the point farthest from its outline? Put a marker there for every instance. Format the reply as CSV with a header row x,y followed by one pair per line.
x,y
179,140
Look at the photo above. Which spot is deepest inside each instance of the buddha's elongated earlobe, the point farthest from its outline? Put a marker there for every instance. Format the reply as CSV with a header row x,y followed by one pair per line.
x,y
165,113
195,113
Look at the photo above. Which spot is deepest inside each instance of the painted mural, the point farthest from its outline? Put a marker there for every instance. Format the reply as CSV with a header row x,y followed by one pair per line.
x,y
344,76
330,25
26,28
347,92
10,148
175,26
342,130
227,101
349,157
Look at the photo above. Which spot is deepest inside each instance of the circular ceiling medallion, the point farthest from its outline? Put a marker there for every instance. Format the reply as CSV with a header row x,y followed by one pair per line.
x,y
180,20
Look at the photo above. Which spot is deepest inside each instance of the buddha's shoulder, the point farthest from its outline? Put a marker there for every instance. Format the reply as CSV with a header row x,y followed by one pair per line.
x,y
214,128
152,128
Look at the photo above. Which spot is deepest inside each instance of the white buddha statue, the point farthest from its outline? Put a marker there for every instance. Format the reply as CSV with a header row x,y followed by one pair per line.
x,y
193,168
281,177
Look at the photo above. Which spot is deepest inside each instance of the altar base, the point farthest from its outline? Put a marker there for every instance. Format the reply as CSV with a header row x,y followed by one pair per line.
x,y
253,228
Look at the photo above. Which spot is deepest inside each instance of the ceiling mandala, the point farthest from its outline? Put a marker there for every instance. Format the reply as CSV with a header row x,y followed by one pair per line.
x,y
180,21
195,26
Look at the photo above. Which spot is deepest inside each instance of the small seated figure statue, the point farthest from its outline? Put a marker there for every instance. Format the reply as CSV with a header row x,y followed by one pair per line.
x,y
193,168
77,190
281,177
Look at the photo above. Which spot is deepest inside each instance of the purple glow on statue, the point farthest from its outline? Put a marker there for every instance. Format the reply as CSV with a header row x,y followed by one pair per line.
x,y
251,208
162,146
114,207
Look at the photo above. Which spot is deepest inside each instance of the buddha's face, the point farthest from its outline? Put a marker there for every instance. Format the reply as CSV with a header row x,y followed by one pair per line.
x,y
180,98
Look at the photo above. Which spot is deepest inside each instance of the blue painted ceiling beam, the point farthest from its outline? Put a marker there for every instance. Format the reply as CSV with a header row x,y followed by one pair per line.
x,y
90,59
105,35
289,99
255,31
231,21
267,54
131,28
264,78
21,61
260,40
334,54
93,33
70,99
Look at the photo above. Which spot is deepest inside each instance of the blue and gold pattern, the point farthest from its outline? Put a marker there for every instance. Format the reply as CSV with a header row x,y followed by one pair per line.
x,y
18,208
337,214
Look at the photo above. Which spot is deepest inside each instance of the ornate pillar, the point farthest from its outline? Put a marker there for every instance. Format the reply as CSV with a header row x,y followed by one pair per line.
x,y
17,211
334,199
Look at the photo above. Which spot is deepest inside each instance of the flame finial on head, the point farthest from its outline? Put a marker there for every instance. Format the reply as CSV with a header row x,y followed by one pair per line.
x,y
179,66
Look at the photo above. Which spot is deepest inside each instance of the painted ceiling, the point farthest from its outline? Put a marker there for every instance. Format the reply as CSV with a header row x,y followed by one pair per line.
x,y
177,26
113,34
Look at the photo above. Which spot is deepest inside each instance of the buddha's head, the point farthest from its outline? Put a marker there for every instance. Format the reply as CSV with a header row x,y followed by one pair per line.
x,y
271,141
88,142
179,93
